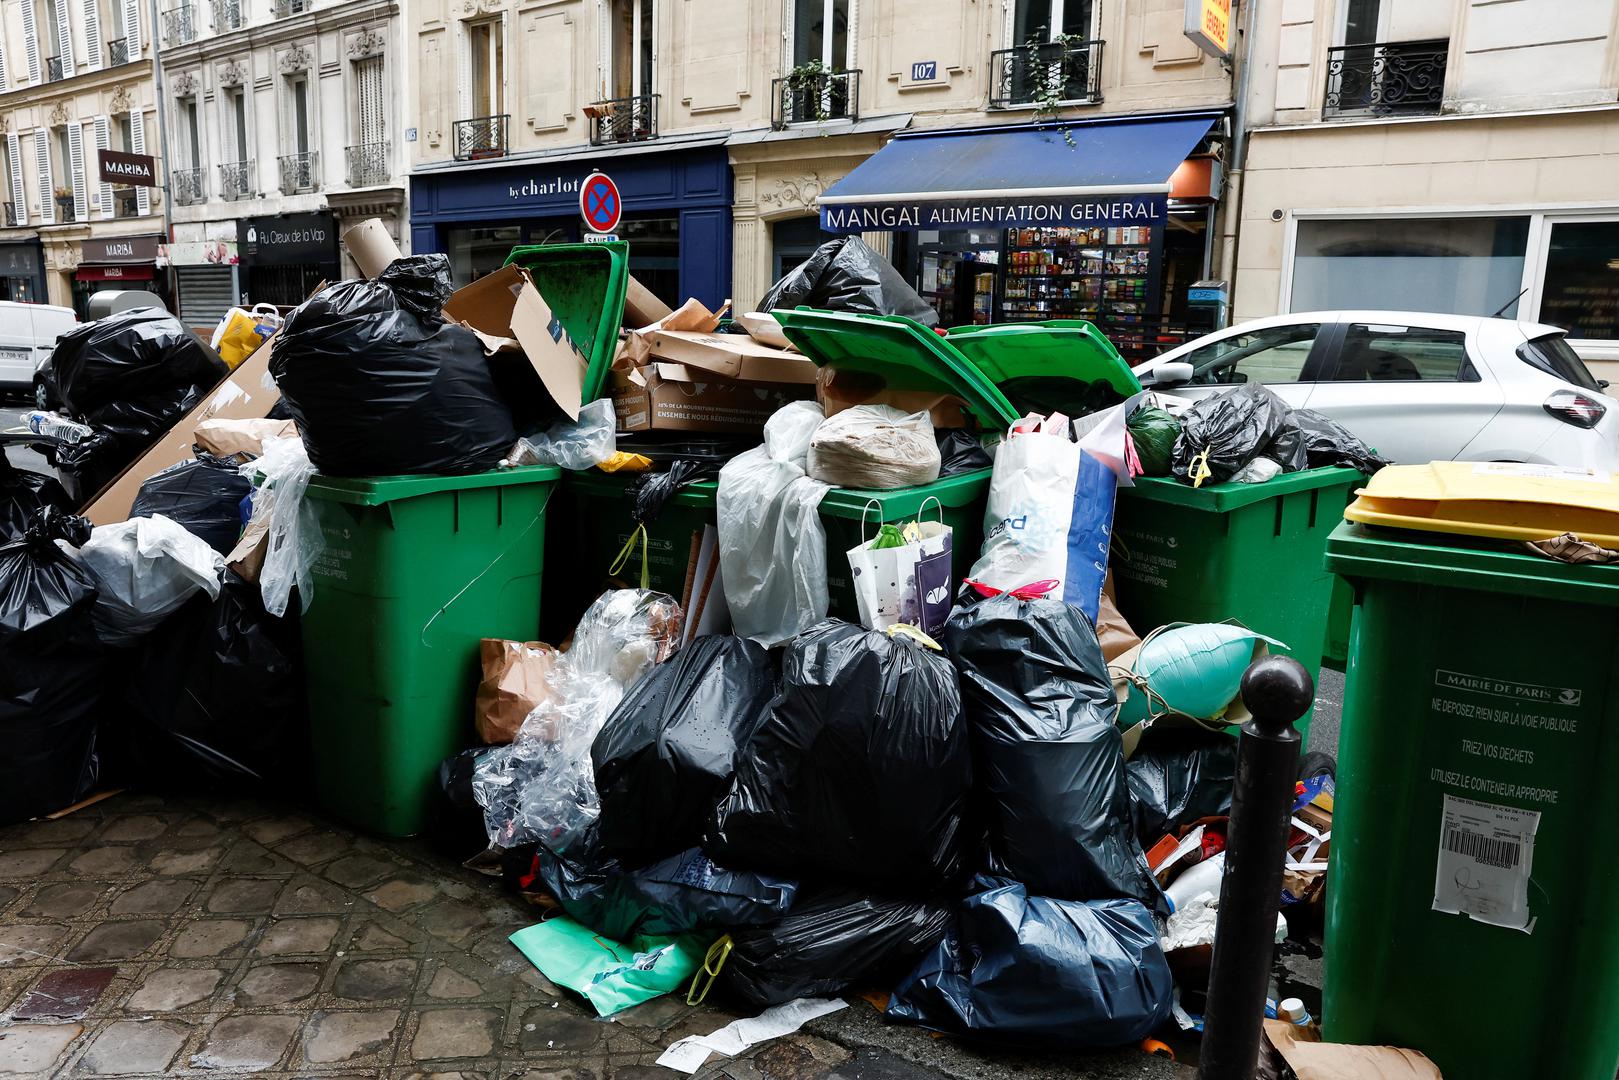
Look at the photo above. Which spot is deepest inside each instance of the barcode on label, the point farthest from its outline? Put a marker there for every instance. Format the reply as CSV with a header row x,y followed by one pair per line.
x,y
1503,854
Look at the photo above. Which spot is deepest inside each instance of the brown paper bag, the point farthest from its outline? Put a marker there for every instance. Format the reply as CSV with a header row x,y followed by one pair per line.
x,y
227,438
514,683
1112,630
1340,1061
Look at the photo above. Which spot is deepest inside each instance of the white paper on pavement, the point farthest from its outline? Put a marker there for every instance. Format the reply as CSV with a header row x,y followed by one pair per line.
x,y
689,1053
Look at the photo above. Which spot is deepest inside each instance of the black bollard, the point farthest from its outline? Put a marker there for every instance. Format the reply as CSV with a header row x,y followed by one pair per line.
x,y
1277,691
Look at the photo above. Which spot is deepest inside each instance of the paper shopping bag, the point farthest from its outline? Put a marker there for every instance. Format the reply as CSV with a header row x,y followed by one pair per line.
x,y
888,587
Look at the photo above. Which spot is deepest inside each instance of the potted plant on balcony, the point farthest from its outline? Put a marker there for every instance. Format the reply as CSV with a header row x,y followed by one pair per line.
x,y
813,94
64,203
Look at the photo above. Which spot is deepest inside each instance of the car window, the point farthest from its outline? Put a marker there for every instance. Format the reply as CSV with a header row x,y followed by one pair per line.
x,y
1553,355
1275,354
1383,352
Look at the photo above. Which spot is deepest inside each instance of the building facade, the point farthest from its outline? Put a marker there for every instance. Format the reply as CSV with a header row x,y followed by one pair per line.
x,y
76,79
1459,157
284,131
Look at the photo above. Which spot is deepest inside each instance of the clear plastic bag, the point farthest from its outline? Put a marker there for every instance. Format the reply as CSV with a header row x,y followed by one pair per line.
x,y
146,567
282,475
572,444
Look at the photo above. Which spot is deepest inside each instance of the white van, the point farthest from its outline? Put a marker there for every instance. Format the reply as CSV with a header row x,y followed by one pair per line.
x,y
28,333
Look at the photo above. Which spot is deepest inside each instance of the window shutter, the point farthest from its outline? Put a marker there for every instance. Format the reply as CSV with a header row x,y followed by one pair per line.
x,y
132,28
42,166
463,75
137,143
5,81
92,34
75,166
368,86
19,197
103,191
64,37
30,40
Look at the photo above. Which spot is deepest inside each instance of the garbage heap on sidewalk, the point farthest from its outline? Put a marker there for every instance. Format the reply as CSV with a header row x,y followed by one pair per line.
x,y
888,728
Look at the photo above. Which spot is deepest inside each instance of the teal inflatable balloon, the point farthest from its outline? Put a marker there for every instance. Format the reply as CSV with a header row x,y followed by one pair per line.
x,y
1195,670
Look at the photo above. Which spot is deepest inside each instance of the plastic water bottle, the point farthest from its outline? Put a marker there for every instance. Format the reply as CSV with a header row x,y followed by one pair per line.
x,y
1292,1011
52,426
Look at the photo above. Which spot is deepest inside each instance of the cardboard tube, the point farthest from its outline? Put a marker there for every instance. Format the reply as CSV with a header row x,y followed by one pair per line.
x,y
371,246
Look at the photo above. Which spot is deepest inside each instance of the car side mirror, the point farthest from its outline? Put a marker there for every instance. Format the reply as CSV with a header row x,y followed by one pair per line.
x,y
1603,383
1173,373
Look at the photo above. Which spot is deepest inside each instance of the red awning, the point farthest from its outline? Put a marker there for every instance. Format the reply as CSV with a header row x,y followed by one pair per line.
x,y
116,273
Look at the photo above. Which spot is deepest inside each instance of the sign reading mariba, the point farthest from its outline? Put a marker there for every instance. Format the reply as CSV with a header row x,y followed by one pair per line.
x,y
1102,212
132,170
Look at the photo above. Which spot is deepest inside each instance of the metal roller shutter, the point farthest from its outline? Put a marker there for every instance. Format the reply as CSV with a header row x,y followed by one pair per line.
x,y
206,293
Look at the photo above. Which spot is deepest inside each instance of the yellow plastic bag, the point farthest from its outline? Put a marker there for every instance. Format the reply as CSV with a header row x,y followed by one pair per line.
x,y
240,332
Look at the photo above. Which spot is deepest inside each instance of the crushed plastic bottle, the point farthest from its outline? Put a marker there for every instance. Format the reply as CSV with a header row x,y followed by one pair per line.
x,y
54,426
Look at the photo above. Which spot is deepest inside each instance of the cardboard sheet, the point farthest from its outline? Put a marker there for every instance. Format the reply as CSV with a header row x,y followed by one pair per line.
x,y
506,305
733,356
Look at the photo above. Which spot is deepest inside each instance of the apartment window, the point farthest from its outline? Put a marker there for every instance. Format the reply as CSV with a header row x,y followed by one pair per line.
x,y
630,61
47,12
236,106
192,129
1363,22
126,134
62,169
370,117
1038,21
115,20
300,114
486,49
1580,291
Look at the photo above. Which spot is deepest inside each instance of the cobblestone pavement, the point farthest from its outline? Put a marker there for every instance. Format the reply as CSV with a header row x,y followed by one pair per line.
x,y
144,936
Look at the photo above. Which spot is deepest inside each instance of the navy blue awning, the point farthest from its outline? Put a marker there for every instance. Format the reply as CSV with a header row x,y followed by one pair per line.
x,y
1094,172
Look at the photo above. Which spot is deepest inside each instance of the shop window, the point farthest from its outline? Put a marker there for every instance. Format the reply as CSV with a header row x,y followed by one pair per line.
x,y
1275,354
475,252
1373,352
655,254
1457,266
821,33
792,241
1581,291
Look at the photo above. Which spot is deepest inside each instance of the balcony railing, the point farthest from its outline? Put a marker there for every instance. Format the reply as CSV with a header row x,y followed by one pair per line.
x,y
117,52
300,172
227,15
814,98
190,186
53,69
623,120
481,137
367,164
1391,77
236,180
284,8
8,214
1046,73
179,26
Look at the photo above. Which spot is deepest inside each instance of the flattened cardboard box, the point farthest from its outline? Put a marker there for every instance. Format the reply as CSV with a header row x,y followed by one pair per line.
x,y
735,356
507,312
669,397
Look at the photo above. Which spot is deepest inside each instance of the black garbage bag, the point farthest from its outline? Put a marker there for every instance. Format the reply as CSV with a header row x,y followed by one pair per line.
x,y
1037,972
654,490
860,772
666,754
831,941
1327,442
1178,776
204,494
960,451
1153,431
52,669
377,388
1040,706
1226,431
847,275
127,357
590,887
23,495
456,825
86,466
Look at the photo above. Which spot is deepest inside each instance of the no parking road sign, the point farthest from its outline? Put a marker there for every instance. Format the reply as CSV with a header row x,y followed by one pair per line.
x,y
599,202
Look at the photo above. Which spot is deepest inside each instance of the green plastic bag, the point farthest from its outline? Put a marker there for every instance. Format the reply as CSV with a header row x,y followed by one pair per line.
x,y
888,536
1154,432
611,976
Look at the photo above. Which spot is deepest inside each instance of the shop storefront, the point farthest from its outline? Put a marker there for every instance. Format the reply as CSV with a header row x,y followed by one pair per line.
x,y
1105,220
281,259
22,272
119,263
205,278
676,217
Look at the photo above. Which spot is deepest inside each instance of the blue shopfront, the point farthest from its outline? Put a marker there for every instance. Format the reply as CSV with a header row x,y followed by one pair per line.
x,y
677,213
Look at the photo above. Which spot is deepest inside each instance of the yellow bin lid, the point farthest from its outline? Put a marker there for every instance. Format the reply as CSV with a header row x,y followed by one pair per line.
x,y
1492,499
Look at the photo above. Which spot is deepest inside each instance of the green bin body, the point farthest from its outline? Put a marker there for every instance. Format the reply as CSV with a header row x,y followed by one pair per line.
x,y
1248,552
415,570
1480,674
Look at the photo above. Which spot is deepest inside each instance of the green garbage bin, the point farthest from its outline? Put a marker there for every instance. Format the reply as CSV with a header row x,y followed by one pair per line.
x,y
1470,897
1249,552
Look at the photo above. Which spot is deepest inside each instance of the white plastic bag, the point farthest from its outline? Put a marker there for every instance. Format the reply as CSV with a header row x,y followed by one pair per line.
x,y
573,444
281,475
875,448
147,567
772,542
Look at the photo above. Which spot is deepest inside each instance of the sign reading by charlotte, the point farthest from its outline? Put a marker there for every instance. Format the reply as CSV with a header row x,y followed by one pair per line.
x,y
122,249
132,170
1208,24
599,202
288,240
1104,212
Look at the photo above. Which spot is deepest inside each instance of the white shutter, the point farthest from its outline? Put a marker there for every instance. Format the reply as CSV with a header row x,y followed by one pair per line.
x,y
75,165
19,197
92,34
64,40
368,88
463,74
5,82
132,28
104,191
137,144
30,40
42,166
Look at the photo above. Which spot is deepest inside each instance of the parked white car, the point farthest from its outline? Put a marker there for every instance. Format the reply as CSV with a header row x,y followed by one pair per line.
x,y
1417,387
28,333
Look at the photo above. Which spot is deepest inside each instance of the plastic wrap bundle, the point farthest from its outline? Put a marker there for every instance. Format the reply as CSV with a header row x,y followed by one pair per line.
x,y
861,771
204,495
875,447
572,444
146,568
292,531
541,787
847,275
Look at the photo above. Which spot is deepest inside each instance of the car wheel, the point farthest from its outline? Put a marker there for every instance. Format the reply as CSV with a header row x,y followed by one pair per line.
x,y
42,396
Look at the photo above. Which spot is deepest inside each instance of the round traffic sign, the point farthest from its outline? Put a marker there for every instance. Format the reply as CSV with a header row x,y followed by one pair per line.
x,y
599,202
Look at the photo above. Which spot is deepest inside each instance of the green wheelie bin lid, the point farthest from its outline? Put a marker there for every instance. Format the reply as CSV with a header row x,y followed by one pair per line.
x,y
1068,348
584,285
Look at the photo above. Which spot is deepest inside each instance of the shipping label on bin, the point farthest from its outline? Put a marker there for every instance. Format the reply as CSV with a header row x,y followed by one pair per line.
x,y
1486,854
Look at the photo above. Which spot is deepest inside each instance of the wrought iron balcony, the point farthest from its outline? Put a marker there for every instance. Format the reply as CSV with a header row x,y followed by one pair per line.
x,y
367,164
179,25
1388,78
10,214
117,52
236,180
53,69
190,186
1046,73
228,15
300,172
814,97
481,137
284,8
623,120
